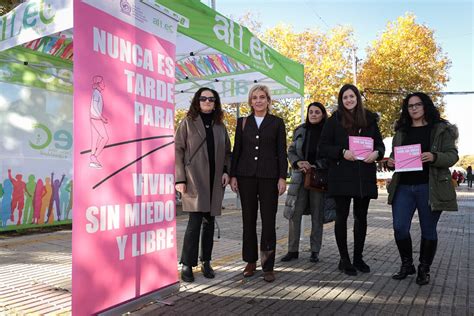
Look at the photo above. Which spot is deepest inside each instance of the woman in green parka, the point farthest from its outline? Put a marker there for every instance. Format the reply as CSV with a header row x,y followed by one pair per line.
x,y
430,191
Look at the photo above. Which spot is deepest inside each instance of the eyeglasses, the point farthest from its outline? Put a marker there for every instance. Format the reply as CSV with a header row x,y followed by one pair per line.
x,y
204,99
415,105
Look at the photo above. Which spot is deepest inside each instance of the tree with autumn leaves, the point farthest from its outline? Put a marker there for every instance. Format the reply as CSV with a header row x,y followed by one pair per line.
x,y
404,59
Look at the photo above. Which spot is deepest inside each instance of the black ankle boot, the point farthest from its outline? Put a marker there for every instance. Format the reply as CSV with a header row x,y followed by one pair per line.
x,y
290,256
427,253
187,273
405,249
347,267
207,270
360,265
314,257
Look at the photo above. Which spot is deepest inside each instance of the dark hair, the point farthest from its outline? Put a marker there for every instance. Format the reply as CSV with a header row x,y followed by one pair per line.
x,y
351,121
432,115
195,108
321,107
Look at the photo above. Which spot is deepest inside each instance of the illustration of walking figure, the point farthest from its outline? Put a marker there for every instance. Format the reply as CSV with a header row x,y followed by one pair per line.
x,y
99,137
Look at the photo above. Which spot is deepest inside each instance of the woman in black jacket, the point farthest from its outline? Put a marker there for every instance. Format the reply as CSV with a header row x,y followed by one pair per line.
x,y
258,173
349,178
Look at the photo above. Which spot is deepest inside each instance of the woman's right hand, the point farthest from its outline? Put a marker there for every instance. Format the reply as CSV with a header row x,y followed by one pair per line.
x,y
234,185
349,155
390,163
180,187
303,165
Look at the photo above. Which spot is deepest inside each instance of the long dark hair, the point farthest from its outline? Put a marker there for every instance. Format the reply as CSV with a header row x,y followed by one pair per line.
x,y
432,115
195,108
322,108
351,121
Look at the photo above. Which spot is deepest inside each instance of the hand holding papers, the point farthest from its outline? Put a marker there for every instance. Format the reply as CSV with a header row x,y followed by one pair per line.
x,y
408,158
361,147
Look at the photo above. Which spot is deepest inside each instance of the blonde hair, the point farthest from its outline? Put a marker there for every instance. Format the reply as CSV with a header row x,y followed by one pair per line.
x,y
264,88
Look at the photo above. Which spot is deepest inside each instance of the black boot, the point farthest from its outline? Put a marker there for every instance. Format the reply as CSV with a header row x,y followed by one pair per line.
x,y
314,257
346,266
427,253
290,256
405,250
187,273
207,270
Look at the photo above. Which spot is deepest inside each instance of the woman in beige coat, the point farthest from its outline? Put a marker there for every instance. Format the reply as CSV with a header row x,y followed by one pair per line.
x,y
202,149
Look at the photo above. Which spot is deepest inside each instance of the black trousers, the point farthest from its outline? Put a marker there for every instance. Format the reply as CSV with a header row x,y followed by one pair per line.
x,y
189,255
361,205
254,191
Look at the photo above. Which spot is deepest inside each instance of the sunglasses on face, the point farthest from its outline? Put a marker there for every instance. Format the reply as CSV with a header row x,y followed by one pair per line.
x,y
204,99
415,105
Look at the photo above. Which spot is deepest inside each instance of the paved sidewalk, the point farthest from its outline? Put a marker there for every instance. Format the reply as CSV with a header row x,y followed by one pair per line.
x,y
35,272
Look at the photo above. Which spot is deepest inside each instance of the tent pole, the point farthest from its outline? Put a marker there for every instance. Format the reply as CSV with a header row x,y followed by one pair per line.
x,y
302,110
237,196
303,119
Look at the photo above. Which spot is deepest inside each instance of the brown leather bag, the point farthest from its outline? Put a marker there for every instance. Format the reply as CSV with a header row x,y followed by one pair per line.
x,y
316,179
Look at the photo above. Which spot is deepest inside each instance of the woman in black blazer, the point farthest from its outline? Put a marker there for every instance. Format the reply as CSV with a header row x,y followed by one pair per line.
x,y
258,173
349,178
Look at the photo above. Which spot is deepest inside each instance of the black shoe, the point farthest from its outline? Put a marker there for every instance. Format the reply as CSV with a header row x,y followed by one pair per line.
x,y
360,265
347,267
314,257
290,256
405,270
187,274
207,270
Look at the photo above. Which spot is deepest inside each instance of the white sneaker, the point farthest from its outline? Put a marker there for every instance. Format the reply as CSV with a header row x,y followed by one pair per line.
x,y
95,165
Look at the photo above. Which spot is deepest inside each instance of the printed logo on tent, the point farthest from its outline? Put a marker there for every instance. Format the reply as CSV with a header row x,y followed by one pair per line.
x,y
57,143
125,7
236,37
33,15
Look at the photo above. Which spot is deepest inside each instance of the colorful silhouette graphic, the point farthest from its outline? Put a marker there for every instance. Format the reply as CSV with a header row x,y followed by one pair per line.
x,y
18,197
30,192
65,194
69,207
6,210
55,184
45,201
40,192
99,136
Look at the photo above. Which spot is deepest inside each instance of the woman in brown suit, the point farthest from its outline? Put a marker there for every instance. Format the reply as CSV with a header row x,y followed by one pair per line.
x,y
258,173
202,149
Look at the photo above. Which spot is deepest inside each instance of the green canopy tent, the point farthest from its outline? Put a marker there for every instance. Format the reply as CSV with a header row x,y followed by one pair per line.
x,y
211,50
215,51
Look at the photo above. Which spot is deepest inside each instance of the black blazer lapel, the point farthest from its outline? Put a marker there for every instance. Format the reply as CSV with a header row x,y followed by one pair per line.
x,y
266,121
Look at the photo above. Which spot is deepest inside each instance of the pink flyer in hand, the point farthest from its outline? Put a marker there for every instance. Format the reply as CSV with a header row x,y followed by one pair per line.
x,y
408,158
362,147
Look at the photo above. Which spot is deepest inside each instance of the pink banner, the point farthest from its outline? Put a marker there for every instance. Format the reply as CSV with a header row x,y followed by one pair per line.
x,y
408,158
124,232
360,146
